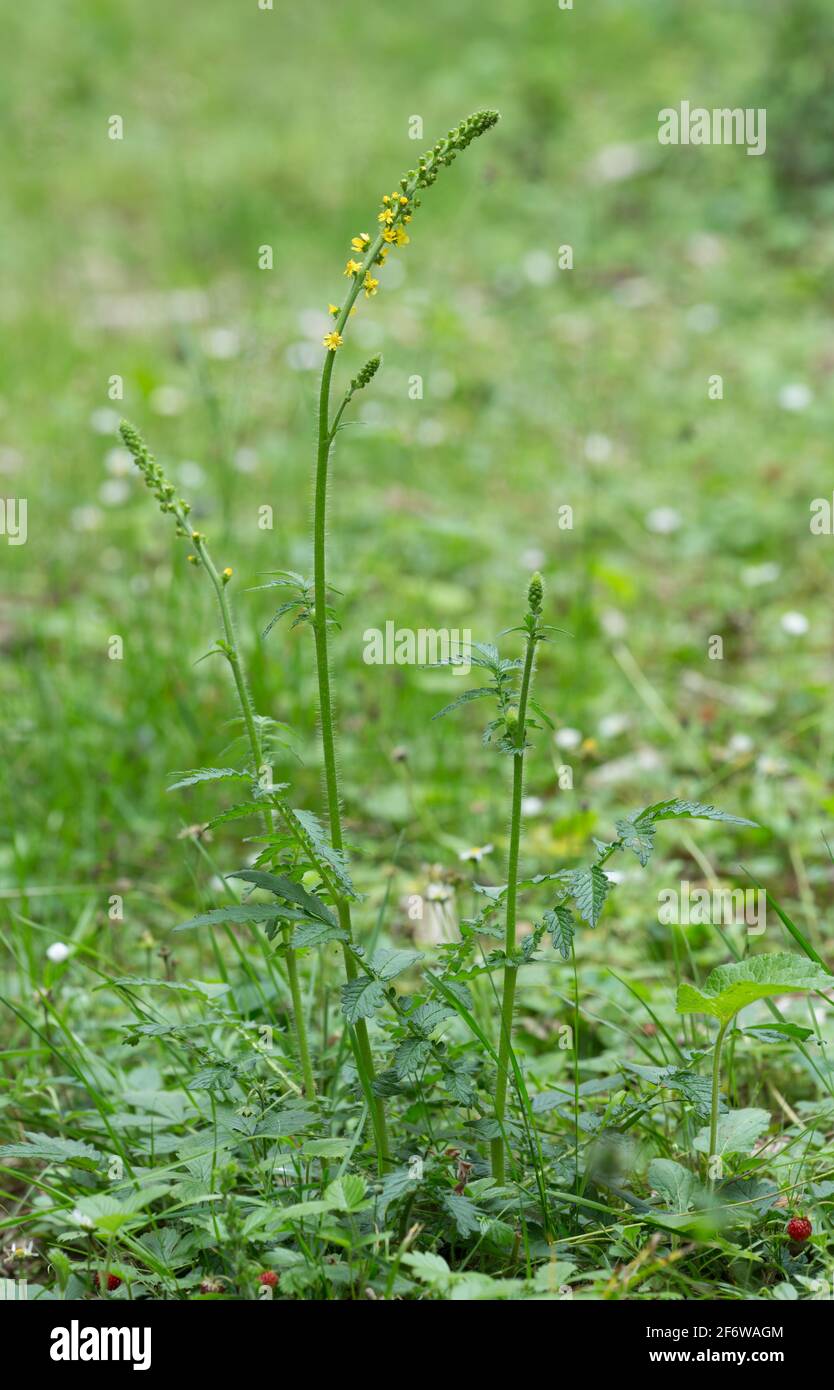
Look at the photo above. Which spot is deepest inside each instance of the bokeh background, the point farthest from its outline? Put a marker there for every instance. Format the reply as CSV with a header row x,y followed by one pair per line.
x,y
542,388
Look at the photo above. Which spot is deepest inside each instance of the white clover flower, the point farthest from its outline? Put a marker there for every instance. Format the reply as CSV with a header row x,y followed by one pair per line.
x,y
795,624
58,952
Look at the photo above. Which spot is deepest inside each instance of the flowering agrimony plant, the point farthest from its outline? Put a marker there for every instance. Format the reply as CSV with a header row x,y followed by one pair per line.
x,y
295,841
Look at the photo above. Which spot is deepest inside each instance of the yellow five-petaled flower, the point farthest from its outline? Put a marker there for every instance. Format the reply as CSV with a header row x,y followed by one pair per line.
x,y
361,242
332,341
352,268
371,285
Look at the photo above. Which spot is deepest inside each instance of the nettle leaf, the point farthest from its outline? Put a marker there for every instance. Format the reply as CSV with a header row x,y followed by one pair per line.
x,y
731,987
317,934
737,1132
291,891
638,838
676,1184
559,922
430,1015
676,809
464,700
589,888
208,774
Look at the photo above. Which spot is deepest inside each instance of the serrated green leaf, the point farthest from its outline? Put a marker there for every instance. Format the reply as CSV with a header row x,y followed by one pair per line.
x,y
464,699
244,912
638,838
411,1056
208,774
346,1193
676,809
559,922
52,1150
317,934
589,888
287,889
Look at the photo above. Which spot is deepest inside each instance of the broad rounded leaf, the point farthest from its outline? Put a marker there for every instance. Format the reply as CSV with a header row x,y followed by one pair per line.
x,y
732,987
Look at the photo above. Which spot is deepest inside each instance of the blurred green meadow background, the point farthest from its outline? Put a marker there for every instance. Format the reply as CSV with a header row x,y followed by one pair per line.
x,y
542,388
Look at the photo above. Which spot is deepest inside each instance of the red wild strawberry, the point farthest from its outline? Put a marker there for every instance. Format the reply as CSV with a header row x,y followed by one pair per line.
x,y
799,1228
268,1277
113,1281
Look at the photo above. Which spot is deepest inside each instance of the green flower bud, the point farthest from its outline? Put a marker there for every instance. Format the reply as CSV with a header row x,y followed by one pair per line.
x,y
535,593
366,375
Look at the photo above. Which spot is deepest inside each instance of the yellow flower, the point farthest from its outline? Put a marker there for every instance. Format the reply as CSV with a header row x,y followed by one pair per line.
x,y
371,285
402,237
227,574
333,309
386,216
385,198
389,235
352,268
403,200
332,341
360,242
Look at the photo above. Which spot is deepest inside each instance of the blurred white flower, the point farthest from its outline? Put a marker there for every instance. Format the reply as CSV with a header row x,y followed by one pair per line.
x,y
663,521
168,400
539,267
118,463
703,318
476,853
81,1219
705,250
303,357
190,474
755,575
532,558
598,448
795,395
615,162
58,952
85,518
635,292
796,624
221,343
114,491
531,805
739,744
612,725
104,421
430,432
568,738
245,460
613,622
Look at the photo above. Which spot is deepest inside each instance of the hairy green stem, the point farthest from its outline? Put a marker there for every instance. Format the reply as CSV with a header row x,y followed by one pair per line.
x,y
713,1114
511,971
359,1034
247,709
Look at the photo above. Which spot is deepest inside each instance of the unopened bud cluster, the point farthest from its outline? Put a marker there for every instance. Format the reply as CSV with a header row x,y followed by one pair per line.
x,y
162,489
446,151
366,375
535,593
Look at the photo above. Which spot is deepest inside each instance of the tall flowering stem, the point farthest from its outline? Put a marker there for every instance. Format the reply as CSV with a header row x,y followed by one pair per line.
x,y
517,733
165,493
367,254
